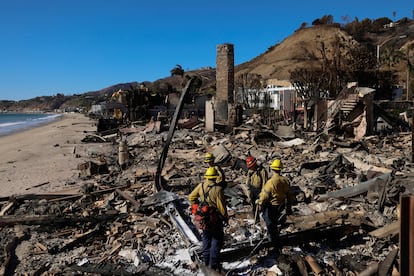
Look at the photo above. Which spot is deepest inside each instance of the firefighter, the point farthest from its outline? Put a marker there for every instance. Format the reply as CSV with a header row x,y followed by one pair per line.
x,y
274,198
212,194
255,180
209,160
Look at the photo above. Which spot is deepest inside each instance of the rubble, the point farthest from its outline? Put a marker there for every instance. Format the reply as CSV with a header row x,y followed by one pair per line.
x,y
114,220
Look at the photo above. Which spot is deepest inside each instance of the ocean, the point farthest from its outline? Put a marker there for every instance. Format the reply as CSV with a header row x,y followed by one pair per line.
x,y
15,122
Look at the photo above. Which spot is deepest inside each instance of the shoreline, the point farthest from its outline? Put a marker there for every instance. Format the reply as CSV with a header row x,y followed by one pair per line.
x,y
59,116
42,158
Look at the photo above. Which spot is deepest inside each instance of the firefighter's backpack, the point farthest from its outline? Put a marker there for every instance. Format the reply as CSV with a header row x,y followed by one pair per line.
x,y
205,216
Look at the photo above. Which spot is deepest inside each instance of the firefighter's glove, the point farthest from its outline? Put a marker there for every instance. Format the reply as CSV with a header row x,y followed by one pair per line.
x,y
194,208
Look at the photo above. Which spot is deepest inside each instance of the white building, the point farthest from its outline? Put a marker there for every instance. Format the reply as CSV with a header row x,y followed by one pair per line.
x,y
97,109
274,96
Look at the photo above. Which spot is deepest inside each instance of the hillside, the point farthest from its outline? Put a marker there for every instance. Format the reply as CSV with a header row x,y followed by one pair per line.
x,y
300,50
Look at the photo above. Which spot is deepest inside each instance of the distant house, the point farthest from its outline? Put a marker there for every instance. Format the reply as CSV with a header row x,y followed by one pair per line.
x,y
97,109
277,95
103,109
390,25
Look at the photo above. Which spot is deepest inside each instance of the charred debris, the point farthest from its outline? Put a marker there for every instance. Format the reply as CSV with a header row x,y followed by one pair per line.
x,y
126,212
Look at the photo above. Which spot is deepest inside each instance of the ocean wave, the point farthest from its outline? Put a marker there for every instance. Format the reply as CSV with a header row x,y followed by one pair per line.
x,y
47,118
11,124
26,121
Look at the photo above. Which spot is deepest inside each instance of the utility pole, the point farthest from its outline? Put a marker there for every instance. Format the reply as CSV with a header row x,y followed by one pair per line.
x,y
408,83
412,134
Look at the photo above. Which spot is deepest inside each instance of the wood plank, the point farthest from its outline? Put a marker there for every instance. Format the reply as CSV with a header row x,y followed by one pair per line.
x,y
317,270
391,229
126,196
385,267
57,220
361,188
300,263
7,208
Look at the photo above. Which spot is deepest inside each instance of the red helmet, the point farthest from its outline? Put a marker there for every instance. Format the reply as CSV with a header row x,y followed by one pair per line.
x,y
250,161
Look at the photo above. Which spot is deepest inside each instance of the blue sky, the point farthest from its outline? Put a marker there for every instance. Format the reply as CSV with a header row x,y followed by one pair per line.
x,y
75,46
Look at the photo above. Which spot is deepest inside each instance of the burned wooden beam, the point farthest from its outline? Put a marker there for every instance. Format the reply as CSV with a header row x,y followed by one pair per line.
x,y
38,185
317,270
381,199
58,220
7,207
48,196
76,196
126,196
391,229
361,188
41,247
302,237
104,269
334,267
78,239
385,267
325,218
301,265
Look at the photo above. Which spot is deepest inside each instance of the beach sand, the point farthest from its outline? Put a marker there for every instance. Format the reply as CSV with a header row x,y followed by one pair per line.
x,y
42,159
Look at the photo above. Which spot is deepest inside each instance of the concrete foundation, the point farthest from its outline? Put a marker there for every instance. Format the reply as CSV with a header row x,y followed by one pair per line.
x,y
209,118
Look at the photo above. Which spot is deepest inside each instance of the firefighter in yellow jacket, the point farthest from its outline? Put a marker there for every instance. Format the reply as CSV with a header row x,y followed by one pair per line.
x,y
255,179
213,235
274,197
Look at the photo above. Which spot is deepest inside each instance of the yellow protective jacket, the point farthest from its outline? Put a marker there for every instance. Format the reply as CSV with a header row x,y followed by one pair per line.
x,y
221,177
276,191
256,178
215,196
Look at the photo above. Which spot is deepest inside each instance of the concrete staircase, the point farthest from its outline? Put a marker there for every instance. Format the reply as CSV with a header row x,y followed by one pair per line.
x,y
349,104
344,105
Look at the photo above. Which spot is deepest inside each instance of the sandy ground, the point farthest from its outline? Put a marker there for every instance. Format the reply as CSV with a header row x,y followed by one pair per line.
x,y
41,159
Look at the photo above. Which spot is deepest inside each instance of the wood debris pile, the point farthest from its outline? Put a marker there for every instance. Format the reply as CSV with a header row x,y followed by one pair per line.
x,y
111,222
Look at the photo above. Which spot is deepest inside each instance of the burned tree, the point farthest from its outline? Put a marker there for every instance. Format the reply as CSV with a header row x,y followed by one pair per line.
x,y
245,82
309,83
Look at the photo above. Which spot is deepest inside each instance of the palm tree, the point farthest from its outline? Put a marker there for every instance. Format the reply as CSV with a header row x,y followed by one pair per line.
x,y
177,71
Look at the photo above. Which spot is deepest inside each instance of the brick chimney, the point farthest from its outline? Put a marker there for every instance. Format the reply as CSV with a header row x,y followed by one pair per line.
x,y
224,81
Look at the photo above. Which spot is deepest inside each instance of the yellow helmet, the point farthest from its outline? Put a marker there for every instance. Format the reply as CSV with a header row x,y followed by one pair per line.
x,y
276,165
211,173
209,158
